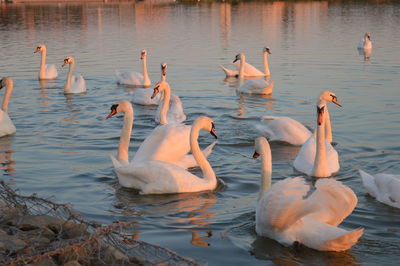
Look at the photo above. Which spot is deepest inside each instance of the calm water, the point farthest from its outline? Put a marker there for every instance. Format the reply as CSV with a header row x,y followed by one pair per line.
x,y
62,146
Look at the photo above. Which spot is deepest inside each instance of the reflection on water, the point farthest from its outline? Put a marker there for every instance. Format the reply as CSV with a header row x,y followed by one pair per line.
x,y
6,161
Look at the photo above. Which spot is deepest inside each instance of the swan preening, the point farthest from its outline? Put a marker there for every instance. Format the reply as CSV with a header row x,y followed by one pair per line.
x,y
135,78
286,129
365,43
46,71
384,187
317,157
6,125
249,70
157,177
73,84
284,214
254,86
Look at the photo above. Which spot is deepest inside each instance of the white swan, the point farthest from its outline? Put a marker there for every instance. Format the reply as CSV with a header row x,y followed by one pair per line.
x,y
6,125
158,177
284,214
143,96
286,129
255,86
46,71
384,187
317,157
249,70
171,109
135,78
73,84
365,43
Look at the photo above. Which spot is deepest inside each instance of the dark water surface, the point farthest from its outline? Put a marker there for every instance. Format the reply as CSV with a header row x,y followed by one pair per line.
x,y
62,145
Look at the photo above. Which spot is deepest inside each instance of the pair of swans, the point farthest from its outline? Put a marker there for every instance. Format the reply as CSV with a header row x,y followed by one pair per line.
x,y
135,78
365,43
285,215
73,84
6,125
46,71
159,166
248,69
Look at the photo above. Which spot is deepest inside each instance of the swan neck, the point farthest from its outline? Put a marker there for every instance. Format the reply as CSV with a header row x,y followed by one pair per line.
x,y
328,127
42,63
241,68
125,138
208,172
165,105
7,95
146,79
320,167
266,66
266,172
67,87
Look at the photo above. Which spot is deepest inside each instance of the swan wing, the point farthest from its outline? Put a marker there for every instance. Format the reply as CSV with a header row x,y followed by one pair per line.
x,y
78,84
257,86
143,97
283,205
188,161
6,125
175,112
130,78
230,72
336,201
51,71
249,70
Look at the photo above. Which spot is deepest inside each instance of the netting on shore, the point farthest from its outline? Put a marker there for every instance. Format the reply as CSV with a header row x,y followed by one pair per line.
x,y
37,231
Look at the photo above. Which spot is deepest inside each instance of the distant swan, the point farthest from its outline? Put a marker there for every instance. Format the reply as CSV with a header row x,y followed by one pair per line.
x,y
46,71
286,129
285,215
6,125
384,187
317,157
249,70
171,109
159,177
366,42
255,86
136,78
73,84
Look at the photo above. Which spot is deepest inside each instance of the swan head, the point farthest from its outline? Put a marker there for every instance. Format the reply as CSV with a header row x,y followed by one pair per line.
x,y
320,112
261,145
5,82
238,57
367,36
160,86
120,107
40,48
329,97
68,60
206,123
164,68
267,50
143,54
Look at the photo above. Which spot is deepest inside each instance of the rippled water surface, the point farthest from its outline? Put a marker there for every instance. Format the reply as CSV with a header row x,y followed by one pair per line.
x,y
62,145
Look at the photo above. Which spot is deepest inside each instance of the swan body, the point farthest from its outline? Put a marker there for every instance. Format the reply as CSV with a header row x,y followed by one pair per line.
x,y
317,157
74,84
365,43
286,129
249,70
384,187
47,71
159,177
6,125
135,78
284,214
171,109
255,86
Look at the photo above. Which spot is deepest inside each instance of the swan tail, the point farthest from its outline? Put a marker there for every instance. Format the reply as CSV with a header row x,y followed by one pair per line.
x,y
369,183
117,164
269,88
207,151
229,72
188,160
343,242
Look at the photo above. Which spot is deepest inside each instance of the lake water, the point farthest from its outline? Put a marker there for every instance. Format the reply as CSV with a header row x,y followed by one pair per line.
x,y
62,145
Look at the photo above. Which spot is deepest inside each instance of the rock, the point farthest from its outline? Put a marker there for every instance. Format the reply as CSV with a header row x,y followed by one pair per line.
x,y
11,244
72,263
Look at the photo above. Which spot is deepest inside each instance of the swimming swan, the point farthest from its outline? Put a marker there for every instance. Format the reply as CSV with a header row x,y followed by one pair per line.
x,y
285,215
6,125
254,86
317,157
286,129
384,187
171,109
73,84
249,70
365,43
46,71
159,177
135,78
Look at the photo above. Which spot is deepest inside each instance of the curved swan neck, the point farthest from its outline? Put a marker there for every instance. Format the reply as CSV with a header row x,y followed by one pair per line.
x,y
320,168
165,104
125,138
208,172
67,87
328,127
7,94
146,79
266,169
241,68
266,66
